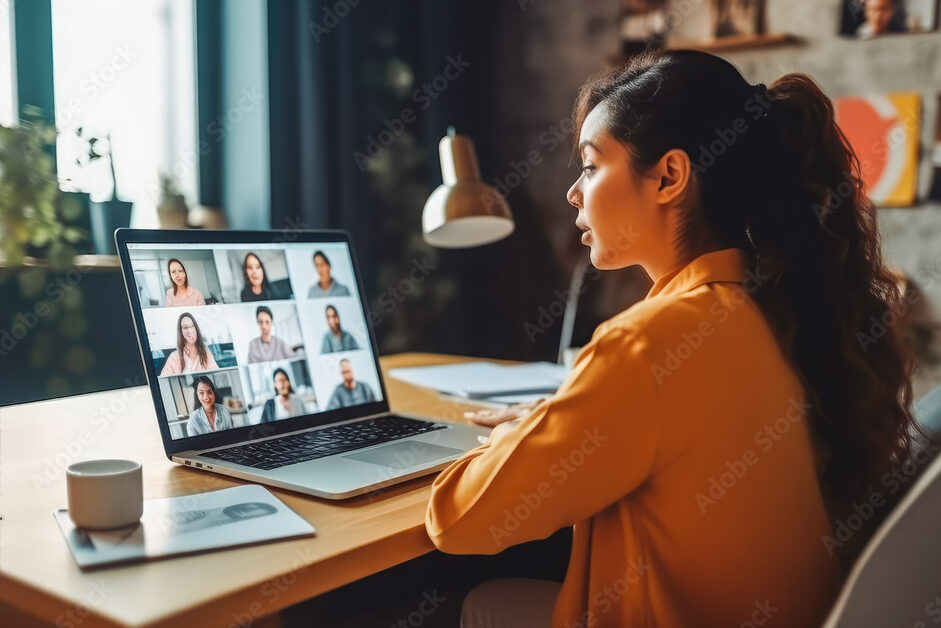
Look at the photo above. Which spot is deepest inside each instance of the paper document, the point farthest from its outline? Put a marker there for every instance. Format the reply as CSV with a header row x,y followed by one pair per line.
x,y
486,380
187,524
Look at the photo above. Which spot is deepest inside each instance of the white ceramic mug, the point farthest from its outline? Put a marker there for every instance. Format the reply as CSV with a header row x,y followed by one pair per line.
x,y
105,494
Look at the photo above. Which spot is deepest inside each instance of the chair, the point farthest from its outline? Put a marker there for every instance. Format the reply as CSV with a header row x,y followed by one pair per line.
x,y
928,411
896,580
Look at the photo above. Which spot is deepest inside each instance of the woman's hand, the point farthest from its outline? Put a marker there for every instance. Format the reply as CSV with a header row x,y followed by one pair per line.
x,y
501,420
493,418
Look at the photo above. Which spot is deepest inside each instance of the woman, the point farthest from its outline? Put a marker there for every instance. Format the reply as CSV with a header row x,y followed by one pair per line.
x,y
285,404
181,293
209,416
191,353
336,338
257,287
711,436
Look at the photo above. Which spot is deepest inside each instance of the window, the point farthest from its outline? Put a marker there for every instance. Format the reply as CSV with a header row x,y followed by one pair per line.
x,y
7,83
126,70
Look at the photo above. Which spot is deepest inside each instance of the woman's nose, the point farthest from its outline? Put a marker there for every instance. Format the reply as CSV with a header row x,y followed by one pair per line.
x,y
574,196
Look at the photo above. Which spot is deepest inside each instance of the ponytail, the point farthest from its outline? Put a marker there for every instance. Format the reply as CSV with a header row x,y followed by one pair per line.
x,y
777,178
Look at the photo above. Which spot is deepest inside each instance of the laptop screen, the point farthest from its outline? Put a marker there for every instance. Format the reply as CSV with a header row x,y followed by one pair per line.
x,y
247,334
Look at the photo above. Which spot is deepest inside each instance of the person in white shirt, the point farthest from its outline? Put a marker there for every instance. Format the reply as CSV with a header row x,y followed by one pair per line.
x,y
209,416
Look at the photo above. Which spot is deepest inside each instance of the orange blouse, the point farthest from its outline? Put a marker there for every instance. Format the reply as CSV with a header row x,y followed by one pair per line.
x,y
679,451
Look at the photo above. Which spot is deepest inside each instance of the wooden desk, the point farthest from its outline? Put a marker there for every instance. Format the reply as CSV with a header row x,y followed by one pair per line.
x,y
355,538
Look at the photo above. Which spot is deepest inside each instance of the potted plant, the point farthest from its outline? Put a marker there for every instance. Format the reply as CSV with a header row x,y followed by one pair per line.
x,y
34,216
172,211
106,216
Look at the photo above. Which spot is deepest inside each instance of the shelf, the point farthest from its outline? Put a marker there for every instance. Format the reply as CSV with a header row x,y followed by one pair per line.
x,y
733,43
82,263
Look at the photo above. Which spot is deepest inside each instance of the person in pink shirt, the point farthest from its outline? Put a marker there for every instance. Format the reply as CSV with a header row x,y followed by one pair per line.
x,y
181,292
191,352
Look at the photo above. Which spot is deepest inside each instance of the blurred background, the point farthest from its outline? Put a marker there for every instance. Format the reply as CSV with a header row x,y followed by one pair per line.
x,y
255,114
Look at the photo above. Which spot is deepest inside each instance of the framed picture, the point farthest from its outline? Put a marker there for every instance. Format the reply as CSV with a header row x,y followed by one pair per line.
x,y
934,192
865,19
642,24
883,130
737,17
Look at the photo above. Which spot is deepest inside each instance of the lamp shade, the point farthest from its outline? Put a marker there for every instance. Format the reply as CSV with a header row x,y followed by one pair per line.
x,y
463,211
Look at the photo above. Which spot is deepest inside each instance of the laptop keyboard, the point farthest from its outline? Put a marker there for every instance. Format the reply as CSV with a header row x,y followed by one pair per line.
x,y
329,441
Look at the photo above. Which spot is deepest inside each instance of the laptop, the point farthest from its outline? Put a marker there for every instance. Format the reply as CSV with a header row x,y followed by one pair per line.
x,y
262,360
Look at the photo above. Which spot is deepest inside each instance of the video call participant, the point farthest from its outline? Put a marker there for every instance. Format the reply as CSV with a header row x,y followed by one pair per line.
x,y
285,404
327,286
257,287
337,339
209,416
350,392
181,292
191,353
267,347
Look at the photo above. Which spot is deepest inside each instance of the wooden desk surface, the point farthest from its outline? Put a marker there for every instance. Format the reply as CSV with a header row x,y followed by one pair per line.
x,y
355,538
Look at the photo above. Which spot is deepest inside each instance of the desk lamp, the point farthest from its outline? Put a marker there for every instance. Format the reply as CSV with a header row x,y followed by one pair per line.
x,y
463,211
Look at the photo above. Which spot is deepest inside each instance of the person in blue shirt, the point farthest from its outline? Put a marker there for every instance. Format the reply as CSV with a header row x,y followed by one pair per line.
x,y
350,392
326,286
337,338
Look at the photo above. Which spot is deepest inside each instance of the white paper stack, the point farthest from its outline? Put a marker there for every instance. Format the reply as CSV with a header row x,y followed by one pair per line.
x,y
486,382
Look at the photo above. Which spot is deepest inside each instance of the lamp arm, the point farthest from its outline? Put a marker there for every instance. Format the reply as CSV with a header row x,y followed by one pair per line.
x,y
571,306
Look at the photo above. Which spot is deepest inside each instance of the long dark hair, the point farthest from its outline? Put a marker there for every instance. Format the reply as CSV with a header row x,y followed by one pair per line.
x,y
186,280
201,349
274,376
775,176
203,379
265,285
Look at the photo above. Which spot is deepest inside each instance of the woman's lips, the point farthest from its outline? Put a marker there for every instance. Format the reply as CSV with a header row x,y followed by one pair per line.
x,y
586,236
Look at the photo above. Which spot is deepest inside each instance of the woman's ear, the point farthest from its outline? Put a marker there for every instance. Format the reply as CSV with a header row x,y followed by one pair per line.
x,y
673,174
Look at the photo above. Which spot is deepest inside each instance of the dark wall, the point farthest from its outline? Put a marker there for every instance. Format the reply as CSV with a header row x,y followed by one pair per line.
x,y
516,68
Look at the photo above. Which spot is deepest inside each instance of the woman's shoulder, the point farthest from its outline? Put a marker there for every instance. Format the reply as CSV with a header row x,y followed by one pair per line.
x,y
173,360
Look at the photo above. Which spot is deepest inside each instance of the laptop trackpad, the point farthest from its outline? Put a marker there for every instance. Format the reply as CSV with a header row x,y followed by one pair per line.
x,y
405,454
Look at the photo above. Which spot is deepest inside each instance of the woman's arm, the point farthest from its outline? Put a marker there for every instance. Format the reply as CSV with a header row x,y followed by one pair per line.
x,y
579,451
